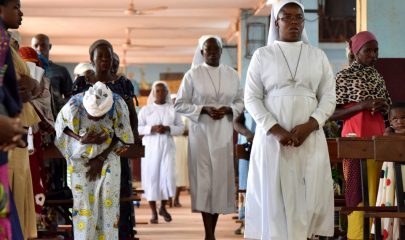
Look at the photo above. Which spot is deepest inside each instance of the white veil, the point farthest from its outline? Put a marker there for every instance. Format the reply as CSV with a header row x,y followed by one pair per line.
x,y
198,57
152,97
273,31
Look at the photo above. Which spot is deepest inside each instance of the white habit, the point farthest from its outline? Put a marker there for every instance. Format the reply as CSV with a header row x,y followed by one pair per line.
x,y
211,168
289,192
158,165
181,143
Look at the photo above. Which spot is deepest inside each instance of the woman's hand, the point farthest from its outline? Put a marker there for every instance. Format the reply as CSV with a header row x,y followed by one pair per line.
x,y
11,133
94,138
282,135
95,166
214,113
375,106
302,131
161,129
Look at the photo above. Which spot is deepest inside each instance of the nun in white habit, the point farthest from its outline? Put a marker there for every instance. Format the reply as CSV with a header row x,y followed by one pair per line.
x,y
158,122
290,93
210,95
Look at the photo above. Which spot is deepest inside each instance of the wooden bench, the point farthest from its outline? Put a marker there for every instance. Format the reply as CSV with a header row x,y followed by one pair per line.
x,y
381,149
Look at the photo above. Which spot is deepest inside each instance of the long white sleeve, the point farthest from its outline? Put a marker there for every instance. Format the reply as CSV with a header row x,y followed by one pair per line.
x,y
177,128
238,104
326,94
254,95
184,97
143,128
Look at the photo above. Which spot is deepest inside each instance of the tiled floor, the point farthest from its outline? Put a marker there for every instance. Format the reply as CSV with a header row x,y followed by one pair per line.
x,y
185,225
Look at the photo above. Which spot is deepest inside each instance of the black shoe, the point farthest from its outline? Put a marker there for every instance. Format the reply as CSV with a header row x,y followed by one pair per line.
x,y
166,216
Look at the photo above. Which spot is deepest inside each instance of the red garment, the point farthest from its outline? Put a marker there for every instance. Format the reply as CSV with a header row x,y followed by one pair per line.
x,y
363,124
38,174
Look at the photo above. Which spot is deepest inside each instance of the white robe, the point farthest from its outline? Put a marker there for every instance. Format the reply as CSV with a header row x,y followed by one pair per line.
x,y
158,165
181,143
289,192
211,168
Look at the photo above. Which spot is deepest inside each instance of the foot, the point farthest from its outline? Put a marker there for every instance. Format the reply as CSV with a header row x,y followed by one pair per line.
x,y
154,219
240,230
176,204
166,216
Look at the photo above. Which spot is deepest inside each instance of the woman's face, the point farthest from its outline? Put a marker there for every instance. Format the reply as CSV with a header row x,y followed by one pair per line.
x,y
102,59
11,14
160,94
368,54
211,52
290,23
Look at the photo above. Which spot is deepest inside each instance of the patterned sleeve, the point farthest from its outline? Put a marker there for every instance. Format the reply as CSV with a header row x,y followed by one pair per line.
x,y
122,126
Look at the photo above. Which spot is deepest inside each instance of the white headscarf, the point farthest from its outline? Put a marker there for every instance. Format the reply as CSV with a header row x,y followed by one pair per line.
x,y
82,68
273,31
98,100
152,94
198,57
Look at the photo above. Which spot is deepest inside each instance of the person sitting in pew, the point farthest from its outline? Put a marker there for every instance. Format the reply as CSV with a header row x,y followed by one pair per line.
x,y
386,190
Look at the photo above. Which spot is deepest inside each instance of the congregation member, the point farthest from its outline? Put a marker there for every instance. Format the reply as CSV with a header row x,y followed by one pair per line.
x,y
290,93
362,101
245,126
92,130
18,159
60,79
210,95
387,187
158,123
122,86
12,133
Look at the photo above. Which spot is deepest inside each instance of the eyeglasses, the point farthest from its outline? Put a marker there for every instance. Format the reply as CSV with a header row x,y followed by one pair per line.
x,y
290,18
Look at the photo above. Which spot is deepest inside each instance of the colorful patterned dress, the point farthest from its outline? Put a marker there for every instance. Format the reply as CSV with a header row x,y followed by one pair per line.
x,y
95,204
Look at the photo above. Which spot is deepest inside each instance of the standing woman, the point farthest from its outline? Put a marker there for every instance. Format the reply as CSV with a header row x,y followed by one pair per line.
x,y
290,93
362,100
211,97
158,122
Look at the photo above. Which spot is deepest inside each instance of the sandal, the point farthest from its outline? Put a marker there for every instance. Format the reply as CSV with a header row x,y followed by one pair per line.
x,y
154,220
166,216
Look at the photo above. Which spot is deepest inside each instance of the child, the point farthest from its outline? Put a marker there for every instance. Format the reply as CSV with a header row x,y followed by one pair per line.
x,y
386,190
90,129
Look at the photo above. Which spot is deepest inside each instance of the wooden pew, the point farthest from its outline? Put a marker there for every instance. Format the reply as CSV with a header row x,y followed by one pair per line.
x,y
383,149
391,149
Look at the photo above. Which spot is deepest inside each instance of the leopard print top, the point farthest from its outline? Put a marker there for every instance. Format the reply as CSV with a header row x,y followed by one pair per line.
x,y
359,83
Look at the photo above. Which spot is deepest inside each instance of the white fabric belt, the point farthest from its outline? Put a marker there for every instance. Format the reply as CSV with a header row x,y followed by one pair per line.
x,y
292,91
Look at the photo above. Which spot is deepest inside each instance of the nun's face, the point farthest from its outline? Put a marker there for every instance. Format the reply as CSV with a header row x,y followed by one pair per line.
x,y
368,54
290,23
211,52
160,94
102,59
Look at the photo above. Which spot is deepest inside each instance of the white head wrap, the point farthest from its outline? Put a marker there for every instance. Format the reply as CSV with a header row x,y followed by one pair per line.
x,y
98,100
82,68
273,31
152,94
198,57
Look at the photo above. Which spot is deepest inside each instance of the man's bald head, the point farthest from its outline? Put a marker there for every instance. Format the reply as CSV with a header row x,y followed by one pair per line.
x,y
41,44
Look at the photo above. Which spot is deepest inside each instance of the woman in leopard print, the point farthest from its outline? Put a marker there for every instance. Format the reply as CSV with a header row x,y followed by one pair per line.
x,y
362,101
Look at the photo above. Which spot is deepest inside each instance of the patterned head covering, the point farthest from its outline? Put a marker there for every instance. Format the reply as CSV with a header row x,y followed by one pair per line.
x,y
152,94
98,100
28,54
358,41
198,58
98,43
273,31
82,68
